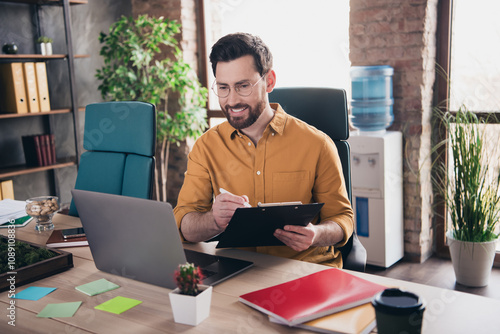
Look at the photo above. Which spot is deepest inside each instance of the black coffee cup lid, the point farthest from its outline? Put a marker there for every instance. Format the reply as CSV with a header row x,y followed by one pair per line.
x,y
396,301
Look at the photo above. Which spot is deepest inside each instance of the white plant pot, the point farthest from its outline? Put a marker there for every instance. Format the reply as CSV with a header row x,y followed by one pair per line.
x,y
48,48
191,310
45,49
42,49
472,261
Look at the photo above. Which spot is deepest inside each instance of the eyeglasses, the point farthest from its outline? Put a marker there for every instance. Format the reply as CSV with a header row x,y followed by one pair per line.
x,y
243,88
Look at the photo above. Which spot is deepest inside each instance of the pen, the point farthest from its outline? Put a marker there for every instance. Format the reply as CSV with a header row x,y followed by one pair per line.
x,y
224,191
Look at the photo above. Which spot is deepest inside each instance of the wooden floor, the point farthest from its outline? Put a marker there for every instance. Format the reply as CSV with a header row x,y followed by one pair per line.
x,y
437,272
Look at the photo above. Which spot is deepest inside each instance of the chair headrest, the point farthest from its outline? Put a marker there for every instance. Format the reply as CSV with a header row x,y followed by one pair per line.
x,y
323,108
128,127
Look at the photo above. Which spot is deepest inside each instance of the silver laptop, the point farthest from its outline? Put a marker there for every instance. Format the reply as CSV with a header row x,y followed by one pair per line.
x,y
139,239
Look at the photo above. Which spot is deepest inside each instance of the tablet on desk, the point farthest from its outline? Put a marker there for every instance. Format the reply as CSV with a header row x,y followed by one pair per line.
x,y
251,227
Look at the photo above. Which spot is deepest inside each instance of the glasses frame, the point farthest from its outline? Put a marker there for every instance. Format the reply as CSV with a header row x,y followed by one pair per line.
x,y
214,88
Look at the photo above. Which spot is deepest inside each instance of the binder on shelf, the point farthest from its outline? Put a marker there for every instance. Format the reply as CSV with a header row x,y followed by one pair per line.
x,y
31,87
12,90
43,86
7,189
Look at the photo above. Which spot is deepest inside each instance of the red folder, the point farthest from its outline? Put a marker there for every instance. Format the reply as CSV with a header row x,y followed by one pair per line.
x,y
312,296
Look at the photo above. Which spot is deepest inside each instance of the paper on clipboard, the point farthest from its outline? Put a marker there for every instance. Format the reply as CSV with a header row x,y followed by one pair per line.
x,y
252,227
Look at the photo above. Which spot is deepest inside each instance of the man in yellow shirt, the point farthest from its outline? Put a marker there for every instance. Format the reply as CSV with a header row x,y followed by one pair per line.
x,y
262,155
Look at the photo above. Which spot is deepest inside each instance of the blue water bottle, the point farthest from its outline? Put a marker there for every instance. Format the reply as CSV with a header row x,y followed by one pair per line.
x,y
372,101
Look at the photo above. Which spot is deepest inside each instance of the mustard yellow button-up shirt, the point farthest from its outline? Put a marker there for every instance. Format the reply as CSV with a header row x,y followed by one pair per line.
x,y
293,161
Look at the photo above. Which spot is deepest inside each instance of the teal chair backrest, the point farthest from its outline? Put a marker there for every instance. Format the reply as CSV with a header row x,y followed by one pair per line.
x,y
326,110
119,139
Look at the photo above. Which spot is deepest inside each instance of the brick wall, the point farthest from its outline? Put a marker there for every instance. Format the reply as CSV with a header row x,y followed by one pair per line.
x,y
184,12
402,34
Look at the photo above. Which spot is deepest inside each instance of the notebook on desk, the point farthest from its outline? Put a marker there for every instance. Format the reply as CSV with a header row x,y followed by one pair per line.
x,y
139,239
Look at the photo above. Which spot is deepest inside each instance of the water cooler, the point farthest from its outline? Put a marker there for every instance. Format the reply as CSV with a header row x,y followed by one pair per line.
x,y
377,194
376,166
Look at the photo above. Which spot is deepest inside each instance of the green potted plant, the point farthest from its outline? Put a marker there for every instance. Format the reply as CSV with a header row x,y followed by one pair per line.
x,y
45,45
470,189
191,300
136,68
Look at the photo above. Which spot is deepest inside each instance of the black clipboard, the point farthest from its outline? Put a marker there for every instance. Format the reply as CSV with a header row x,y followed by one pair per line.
x,y
252,227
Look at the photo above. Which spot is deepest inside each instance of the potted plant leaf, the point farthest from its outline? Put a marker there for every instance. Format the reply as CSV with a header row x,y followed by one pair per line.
x,y
470,188
143,62
45,45
191,300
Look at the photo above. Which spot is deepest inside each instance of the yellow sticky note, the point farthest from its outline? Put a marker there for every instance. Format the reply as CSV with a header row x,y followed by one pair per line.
x,y
118,305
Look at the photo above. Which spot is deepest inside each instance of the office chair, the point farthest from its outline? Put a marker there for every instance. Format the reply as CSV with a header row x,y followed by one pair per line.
x,y
120,139
326,109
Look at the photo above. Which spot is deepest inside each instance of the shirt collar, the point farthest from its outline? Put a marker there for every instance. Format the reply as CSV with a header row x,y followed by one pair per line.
x,y
277,123
279,119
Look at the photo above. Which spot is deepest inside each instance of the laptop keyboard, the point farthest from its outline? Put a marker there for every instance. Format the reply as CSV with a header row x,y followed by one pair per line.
x,y
200,259
207,273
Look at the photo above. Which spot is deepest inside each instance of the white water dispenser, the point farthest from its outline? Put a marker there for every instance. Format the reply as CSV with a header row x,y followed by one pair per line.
x,y
377,194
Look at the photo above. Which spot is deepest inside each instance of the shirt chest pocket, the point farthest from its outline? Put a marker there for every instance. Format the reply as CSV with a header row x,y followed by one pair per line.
x,y
292,186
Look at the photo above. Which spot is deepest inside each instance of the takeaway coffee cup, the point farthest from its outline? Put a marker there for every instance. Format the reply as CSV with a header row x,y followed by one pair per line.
x,y
398,312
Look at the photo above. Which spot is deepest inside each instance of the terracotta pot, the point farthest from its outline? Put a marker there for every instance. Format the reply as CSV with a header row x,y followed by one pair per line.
x,y
472,261
191,310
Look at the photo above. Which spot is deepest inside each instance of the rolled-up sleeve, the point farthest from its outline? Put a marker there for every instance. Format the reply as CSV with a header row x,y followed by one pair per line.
x,y
196,193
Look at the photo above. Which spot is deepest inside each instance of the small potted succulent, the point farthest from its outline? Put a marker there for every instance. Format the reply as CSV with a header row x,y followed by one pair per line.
x,y
191,300
45,45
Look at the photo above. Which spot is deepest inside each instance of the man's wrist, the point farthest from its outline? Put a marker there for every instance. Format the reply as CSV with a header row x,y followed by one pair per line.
x,y
217,225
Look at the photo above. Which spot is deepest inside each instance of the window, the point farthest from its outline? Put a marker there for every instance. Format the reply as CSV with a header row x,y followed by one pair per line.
x,y
309,40
475,46
469,43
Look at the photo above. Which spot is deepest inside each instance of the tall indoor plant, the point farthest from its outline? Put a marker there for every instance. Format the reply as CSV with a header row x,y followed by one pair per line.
x,y
470,189
143,62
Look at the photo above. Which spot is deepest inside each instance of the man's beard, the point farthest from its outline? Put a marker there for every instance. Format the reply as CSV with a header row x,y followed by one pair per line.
x,y
240,122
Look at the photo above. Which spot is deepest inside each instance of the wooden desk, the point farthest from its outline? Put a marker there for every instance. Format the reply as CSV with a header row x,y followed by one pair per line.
x,y
447,311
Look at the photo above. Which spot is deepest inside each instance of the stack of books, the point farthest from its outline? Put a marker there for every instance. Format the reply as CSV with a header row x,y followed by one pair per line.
x,y
39,150
329,301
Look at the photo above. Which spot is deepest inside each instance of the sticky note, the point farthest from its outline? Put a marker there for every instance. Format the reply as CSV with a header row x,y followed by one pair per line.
x,y
97,287
118,305
61,310
33,293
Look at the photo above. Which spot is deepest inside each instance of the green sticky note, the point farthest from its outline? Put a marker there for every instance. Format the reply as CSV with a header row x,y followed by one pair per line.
x,y
118,305
61,310
97,287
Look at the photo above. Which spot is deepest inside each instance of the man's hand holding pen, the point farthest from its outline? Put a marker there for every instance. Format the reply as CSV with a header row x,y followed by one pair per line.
x,y
224,206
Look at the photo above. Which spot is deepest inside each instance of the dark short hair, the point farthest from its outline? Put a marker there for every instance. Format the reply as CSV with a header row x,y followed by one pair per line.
x,y
233,46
